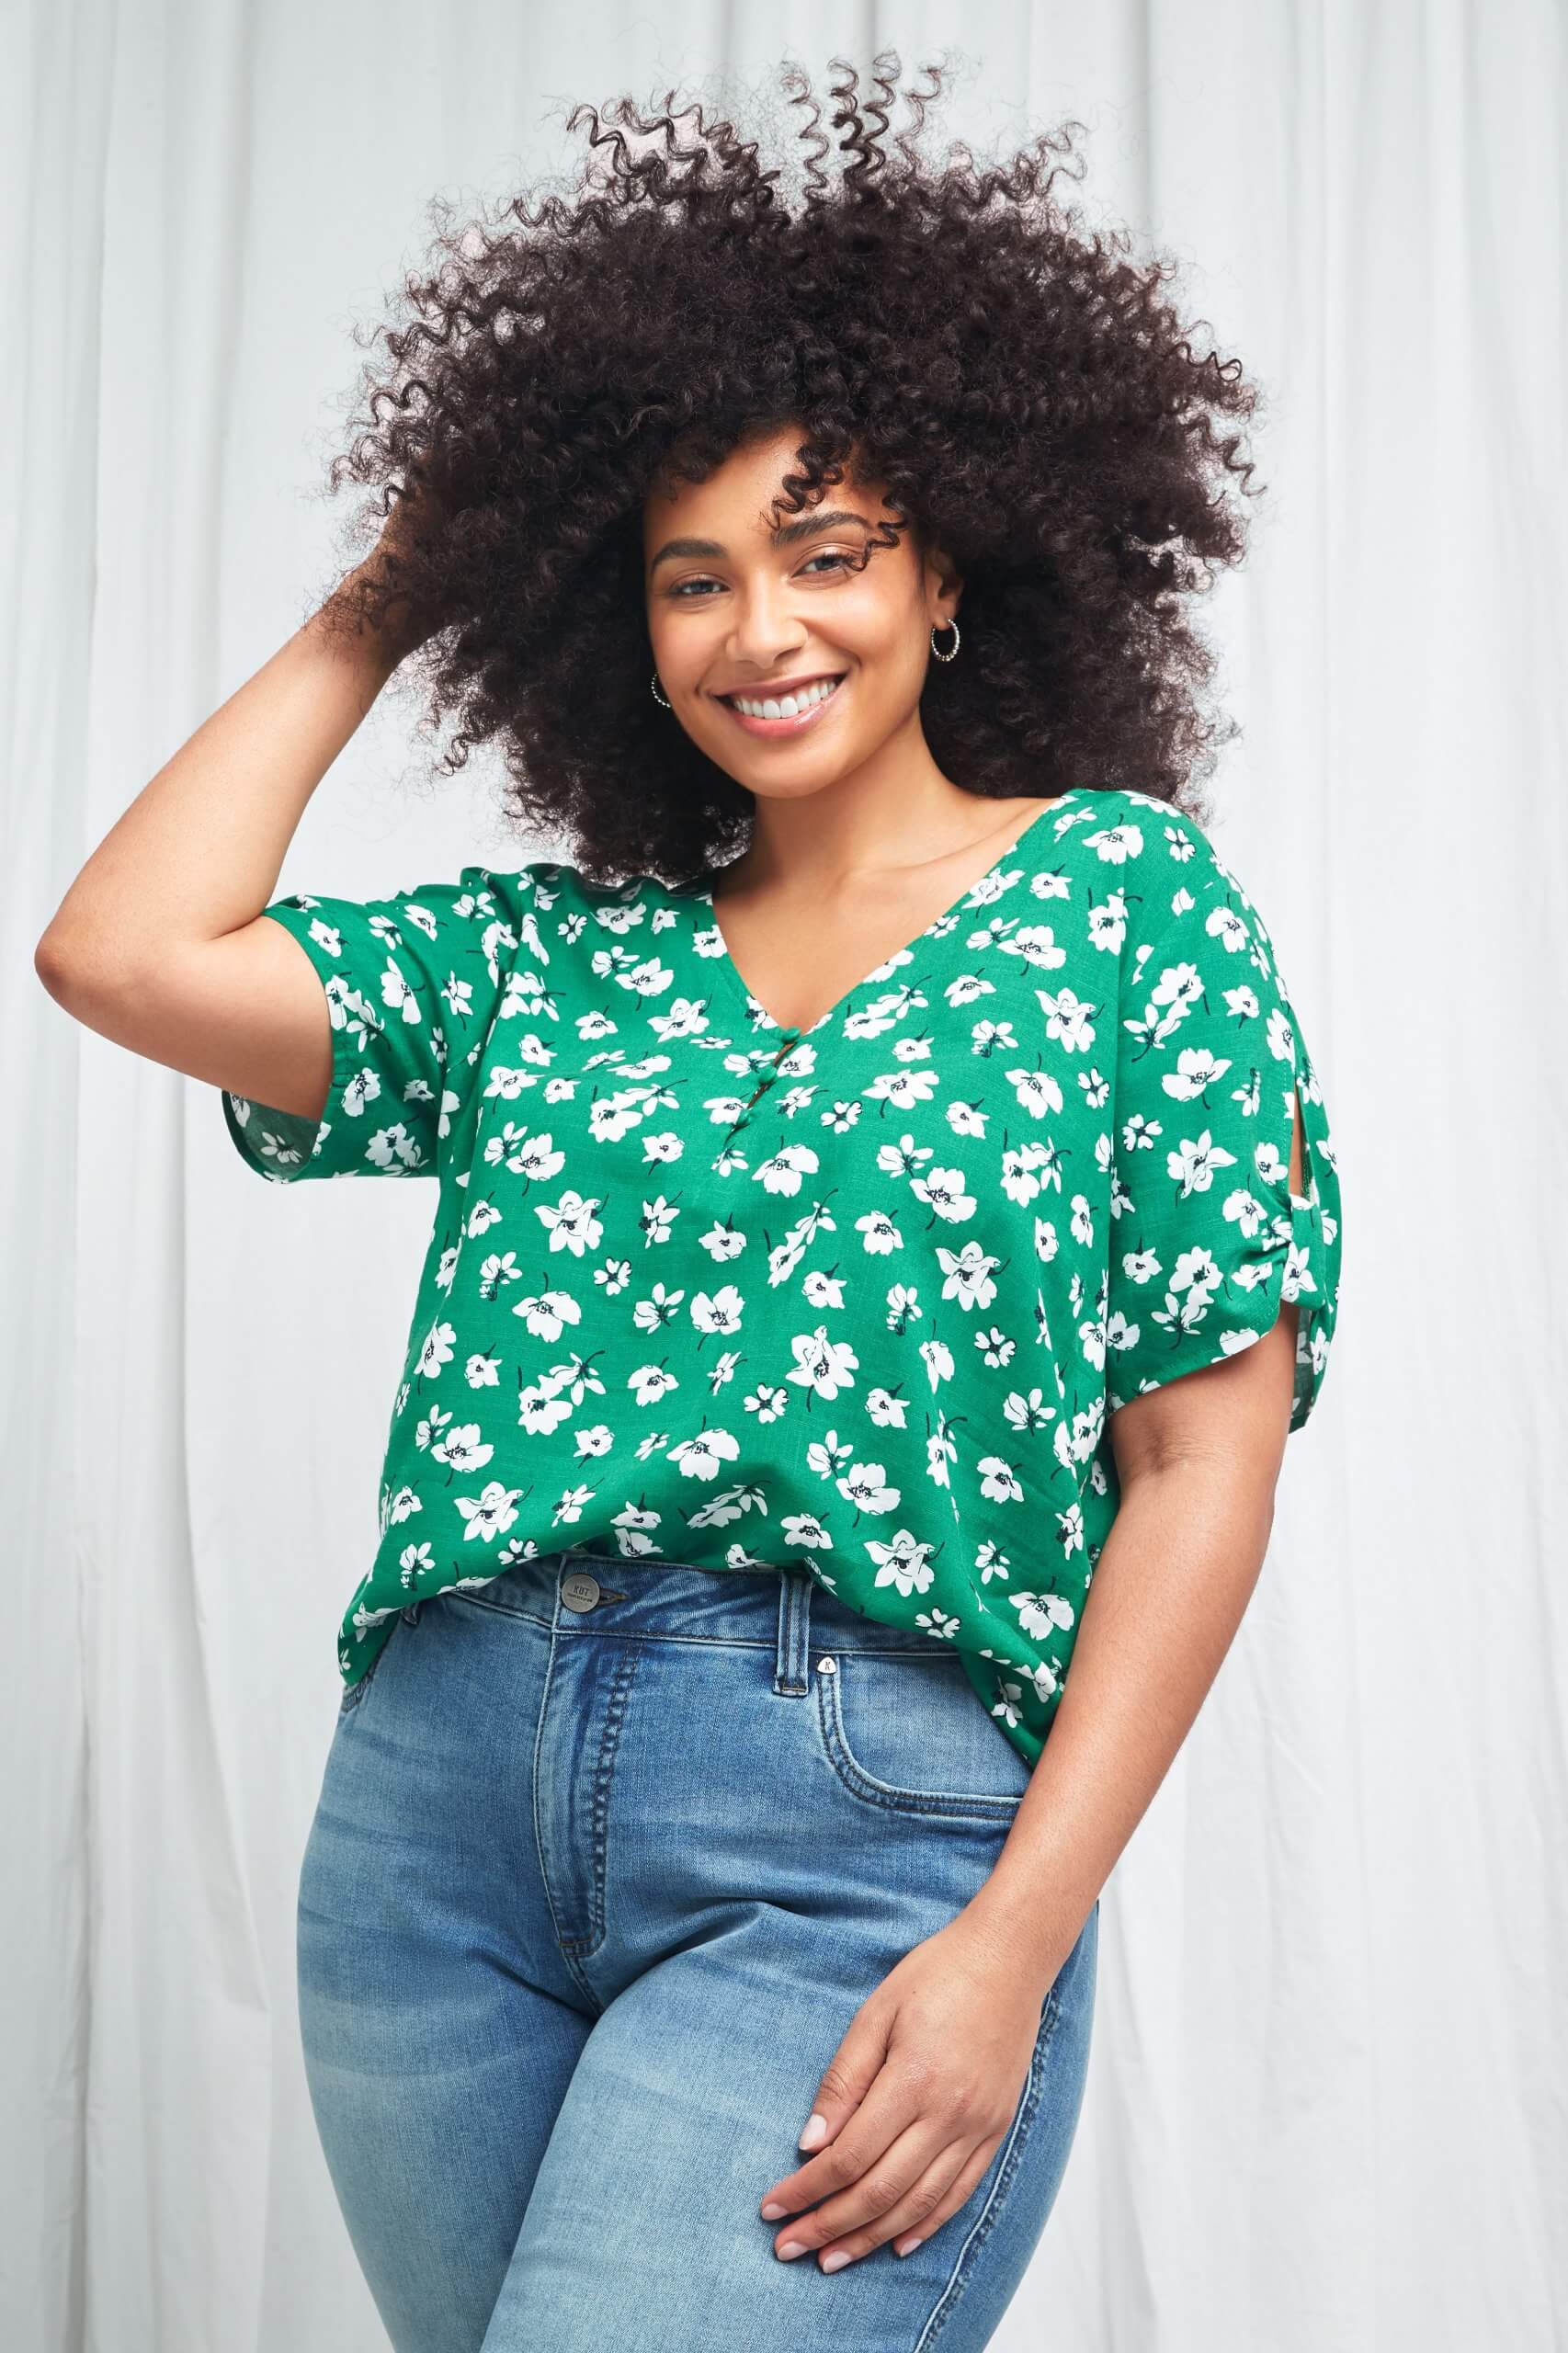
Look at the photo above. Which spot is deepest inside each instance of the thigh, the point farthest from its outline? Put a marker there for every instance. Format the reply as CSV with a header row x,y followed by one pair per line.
x,y
438,2039
769,1878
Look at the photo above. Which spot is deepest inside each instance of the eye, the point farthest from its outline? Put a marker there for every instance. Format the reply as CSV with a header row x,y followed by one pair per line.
x,y
824,555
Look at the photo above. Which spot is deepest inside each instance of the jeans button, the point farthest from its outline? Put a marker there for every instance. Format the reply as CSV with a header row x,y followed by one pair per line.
x,y
579,1591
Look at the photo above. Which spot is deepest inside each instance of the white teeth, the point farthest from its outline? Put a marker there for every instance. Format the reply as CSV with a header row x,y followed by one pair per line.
x,y
787,706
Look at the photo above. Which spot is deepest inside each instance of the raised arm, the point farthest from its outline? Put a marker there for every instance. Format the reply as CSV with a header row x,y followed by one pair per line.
x,y
160,943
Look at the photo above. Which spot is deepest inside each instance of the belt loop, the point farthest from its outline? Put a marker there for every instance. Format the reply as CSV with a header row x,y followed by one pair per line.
x,y
794,1634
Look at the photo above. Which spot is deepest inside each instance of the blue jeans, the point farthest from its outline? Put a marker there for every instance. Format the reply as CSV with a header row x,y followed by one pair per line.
x,y
607,1857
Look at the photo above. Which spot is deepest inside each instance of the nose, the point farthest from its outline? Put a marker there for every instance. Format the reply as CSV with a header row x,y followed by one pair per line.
x,y
762,630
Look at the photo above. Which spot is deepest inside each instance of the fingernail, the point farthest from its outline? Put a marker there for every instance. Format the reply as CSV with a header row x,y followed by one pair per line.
x,y
834,2262
792,2247
772,2212
816,2126
908,2245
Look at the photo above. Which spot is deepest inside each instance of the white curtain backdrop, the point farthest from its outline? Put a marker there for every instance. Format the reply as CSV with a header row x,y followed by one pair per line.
x,y
1326,2106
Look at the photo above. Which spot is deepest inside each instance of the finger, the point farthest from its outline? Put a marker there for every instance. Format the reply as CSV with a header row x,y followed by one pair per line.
x,y
905,2240
912,2212
880,2185
900,2095
847,2077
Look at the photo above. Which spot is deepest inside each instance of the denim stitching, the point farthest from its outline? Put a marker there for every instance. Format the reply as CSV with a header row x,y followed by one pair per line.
x,y
563,1945
615,1716
980,1806
980,2230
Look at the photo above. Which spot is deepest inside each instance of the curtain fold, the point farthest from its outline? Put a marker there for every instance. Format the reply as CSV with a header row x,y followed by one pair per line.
x,y
1320,2107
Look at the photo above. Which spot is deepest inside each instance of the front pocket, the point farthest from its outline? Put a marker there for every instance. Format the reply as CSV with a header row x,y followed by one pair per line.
x,y
909,1731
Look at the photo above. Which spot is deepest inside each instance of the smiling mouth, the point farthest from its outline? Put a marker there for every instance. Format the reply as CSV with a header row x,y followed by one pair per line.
x,y
782,715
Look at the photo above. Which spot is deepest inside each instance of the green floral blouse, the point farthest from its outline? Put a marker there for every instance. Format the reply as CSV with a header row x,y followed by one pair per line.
x,y
859,1299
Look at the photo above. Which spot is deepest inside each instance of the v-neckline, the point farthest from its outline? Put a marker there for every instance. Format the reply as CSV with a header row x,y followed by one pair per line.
x,y
762,1020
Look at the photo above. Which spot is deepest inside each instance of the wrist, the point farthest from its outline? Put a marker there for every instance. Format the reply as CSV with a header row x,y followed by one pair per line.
x,y
1030,1934
367,624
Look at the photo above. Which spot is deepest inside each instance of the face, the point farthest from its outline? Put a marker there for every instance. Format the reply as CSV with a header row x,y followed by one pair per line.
x,y
747,602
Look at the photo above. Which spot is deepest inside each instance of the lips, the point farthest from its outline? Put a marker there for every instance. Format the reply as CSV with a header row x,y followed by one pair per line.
x,y
775,689
792,724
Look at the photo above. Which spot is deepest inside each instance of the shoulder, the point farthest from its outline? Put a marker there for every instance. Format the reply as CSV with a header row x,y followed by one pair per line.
x,y
1169,877
543,887
1185,919
1139,835
551,906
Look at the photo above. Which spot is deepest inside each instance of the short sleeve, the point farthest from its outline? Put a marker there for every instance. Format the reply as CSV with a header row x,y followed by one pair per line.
x,y
411,986
1208,1240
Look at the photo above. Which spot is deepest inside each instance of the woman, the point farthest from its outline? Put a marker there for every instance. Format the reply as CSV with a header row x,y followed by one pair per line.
x,y
915,1207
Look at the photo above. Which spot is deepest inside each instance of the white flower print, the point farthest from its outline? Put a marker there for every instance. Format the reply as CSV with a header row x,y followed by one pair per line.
x,y
878,1232
463,1449
1036,1092
541,1407
865,1485
571,1224
728,1505
936,1622
1040,1614
1192,1164
944,1191
1197,1069
1030,1413
903,1307
490,1513
413,1562
1063,1115
1038,945
438,1350
395,1148
657,1221
400,1505
547,1314
902,1562
783,1172
824,1455
968,1276
717,1311
703,1456
1069,1019
499,1267
824,1366
998,1480
903,1089
723,1242
651,1314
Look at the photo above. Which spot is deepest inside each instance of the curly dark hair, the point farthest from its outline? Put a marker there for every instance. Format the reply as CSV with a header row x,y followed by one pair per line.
x,y
1032,403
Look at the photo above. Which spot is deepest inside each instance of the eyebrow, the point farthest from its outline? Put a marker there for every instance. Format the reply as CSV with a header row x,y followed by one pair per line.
x,y
786,535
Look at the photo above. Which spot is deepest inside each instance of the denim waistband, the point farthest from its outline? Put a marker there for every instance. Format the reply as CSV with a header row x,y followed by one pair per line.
x,y
677,1601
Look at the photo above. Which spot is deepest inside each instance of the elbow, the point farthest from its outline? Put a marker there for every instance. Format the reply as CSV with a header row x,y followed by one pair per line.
x,y
75,975
52,967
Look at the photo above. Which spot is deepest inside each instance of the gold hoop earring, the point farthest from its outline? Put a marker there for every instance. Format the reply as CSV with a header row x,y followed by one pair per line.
x,y
658,696
957,641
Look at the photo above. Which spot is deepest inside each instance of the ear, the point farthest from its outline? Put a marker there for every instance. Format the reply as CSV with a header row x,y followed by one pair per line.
x,y
944,587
